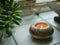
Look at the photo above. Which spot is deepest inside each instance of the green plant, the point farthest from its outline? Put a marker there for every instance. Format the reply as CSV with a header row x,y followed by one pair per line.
x,y
9,15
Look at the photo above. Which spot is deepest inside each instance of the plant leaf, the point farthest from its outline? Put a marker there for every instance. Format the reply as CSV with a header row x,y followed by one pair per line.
x,y
11,2
9,31
17,17
16,22
15,7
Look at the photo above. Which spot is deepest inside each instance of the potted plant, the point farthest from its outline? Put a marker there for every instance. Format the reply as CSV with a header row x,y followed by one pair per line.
x,y
9,15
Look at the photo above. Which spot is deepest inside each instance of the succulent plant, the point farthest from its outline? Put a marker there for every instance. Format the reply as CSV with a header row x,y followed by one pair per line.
x,y
9,15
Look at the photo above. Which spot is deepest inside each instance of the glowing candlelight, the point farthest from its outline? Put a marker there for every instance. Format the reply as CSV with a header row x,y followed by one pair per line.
x,y
41,25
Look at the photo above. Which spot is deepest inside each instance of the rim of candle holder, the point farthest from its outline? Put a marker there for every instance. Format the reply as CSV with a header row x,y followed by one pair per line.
x,y
41,28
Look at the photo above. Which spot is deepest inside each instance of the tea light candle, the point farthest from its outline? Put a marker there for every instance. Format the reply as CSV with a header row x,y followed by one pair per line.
x,y
41,30
41,25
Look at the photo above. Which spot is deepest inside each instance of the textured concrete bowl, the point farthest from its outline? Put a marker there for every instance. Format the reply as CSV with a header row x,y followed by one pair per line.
x,y
41,33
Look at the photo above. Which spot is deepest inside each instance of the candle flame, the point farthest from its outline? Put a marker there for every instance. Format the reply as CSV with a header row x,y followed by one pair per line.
x,y
41,26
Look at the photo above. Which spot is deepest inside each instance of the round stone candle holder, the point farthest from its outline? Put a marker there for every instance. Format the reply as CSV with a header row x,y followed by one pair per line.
x,y
41,30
